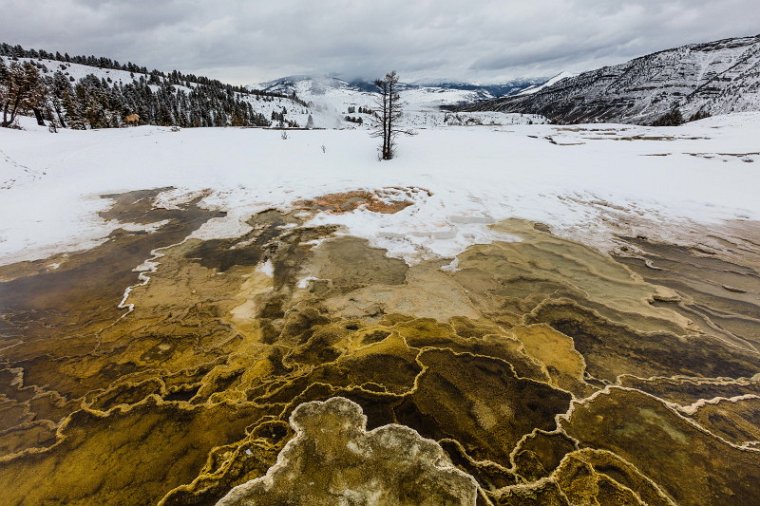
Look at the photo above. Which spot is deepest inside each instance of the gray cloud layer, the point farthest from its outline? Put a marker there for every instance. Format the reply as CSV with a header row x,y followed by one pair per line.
x,y
478,40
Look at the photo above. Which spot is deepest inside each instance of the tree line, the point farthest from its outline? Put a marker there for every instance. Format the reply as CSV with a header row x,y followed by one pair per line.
x,y
174,77
151,98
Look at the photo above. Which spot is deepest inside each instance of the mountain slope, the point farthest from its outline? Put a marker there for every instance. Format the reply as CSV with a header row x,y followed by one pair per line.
x,y
551,82
701,79
513,87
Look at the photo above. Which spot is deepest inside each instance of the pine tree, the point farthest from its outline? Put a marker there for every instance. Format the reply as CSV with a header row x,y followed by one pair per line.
x,y
60,94
23,90
73,113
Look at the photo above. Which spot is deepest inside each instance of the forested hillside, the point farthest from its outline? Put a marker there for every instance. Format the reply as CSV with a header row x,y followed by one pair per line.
x,y
90,92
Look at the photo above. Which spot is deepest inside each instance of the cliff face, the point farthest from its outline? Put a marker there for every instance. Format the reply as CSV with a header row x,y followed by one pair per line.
x,y
714,78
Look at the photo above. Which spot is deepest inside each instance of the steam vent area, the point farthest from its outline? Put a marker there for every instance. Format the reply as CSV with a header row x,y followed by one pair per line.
x,y
300,362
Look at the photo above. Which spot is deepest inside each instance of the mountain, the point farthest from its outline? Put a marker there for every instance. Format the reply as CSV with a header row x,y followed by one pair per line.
x,y
336,103
698,80
486,90
441,93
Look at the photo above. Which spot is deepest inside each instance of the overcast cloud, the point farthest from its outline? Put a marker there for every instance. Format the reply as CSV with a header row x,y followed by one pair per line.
x,y
477,40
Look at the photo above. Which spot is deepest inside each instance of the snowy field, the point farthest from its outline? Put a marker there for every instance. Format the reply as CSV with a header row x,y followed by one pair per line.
x,y
566,177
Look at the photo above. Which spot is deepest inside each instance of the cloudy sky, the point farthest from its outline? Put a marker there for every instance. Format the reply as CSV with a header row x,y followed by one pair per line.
x,y
477,40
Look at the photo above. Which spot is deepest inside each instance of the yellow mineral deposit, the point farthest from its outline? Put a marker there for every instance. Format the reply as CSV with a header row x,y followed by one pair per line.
x,y
292,365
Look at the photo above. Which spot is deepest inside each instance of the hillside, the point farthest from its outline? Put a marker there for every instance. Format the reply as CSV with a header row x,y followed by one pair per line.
x,y
699,80
92,92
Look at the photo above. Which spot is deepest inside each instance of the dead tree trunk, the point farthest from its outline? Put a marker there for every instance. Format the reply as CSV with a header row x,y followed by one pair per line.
x,y
388,113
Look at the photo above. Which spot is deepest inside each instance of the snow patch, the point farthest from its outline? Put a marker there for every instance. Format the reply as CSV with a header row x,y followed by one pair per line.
x,y
267,268
305,282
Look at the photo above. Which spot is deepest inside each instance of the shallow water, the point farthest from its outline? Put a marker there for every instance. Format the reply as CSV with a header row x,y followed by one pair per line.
x,y
545,371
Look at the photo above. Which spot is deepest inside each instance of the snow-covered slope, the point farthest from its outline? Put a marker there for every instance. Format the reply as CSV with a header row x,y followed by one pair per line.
x,y
78,71
706,79
551,82
74,71
505,89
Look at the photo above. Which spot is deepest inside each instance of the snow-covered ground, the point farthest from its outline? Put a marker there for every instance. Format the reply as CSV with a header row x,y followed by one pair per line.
x,y
78,71
705,171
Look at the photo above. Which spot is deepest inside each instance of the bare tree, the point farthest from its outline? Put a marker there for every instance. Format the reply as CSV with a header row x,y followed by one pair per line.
x,y
388,112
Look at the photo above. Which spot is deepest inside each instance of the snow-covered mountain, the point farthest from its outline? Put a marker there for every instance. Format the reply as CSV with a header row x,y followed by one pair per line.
x,y
462,91
332,100
700,79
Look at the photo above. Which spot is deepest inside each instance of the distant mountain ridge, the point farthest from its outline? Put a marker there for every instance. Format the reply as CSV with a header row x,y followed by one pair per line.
x,y
697,80
476,92
425,106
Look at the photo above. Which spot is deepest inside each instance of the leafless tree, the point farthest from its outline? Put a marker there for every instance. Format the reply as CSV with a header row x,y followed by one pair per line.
x,y
388,112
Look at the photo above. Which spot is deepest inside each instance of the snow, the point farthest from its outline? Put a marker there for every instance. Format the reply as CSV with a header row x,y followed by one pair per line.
x,y
267,268
551,82
475,175
78,71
